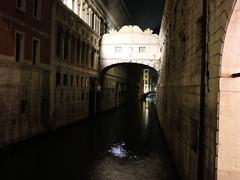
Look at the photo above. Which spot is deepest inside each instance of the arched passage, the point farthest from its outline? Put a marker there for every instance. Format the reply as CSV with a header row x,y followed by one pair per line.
x,y
127,63
146,70
124,83
229,106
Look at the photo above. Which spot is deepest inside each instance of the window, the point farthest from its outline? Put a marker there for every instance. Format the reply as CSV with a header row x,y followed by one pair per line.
x,y
82,95
78,97
130,49
92,59
36,8
61,96
73,50
86,82
81,81
21,5
73,99
58,79
65,80
78,51
83,57
35,51
77,81
58,43
19,46
118,49
93,21
73,5
71,82
142,49
23,106
66,47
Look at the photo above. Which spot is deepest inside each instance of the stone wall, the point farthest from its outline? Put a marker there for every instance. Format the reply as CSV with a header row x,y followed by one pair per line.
x,y
74,60
114,92
180,80
24,101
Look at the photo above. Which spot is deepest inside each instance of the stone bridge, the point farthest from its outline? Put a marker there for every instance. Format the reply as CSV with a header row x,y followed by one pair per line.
x,y
130,45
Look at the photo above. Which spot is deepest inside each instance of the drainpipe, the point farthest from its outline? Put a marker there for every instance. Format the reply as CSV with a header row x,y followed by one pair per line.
x,y
202,93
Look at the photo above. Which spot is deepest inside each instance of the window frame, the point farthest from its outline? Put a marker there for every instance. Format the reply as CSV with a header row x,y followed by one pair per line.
x,y
22,48
58,79
118,49
38,15
142,48
38,54
65,79
22,7
71,80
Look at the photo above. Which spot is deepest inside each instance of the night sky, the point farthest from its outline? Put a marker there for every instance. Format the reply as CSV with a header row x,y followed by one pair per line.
x,y
146,14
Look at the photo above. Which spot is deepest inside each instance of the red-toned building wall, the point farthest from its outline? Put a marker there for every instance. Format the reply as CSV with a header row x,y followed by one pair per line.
x,y
12,19
24,86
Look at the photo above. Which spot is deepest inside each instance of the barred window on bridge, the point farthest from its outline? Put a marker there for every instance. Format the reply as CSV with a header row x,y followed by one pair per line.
x,y
118,49
142,49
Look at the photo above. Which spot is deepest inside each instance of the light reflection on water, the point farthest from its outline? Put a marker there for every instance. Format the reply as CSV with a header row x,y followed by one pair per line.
x,y
119,150
122,145
138,151
146,113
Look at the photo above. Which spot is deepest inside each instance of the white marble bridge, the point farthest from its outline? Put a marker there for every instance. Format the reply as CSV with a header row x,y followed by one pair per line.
x,y
130,45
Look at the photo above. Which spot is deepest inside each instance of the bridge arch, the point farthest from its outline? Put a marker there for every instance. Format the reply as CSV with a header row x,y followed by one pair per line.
x,y
144,66
229,101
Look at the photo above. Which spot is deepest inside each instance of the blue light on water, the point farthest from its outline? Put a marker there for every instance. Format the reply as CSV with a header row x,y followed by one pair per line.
x,y
119,151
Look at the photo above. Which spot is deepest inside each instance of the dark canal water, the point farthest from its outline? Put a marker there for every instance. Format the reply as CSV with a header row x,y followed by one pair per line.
x,y
123,145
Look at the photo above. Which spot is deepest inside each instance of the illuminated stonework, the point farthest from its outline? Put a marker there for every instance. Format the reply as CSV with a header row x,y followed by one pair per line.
x,y
130,45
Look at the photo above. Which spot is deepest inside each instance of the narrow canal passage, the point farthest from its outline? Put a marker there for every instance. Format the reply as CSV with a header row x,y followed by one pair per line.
x,y
125,144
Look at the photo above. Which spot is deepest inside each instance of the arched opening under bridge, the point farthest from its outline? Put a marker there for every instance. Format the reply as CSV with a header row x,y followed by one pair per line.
x,y
229,106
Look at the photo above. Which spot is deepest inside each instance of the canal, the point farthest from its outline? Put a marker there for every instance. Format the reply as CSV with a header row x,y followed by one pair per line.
x,y
125,144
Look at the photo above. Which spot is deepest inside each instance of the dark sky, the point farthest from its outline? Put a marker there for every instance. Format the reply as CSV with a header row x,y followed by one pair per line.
x,y
146,13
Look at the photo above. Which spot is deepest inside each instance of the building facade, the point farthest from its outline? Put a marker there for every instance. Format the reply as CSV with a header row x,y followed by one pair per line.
x,y
198,90
24,67
77,28
49,62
